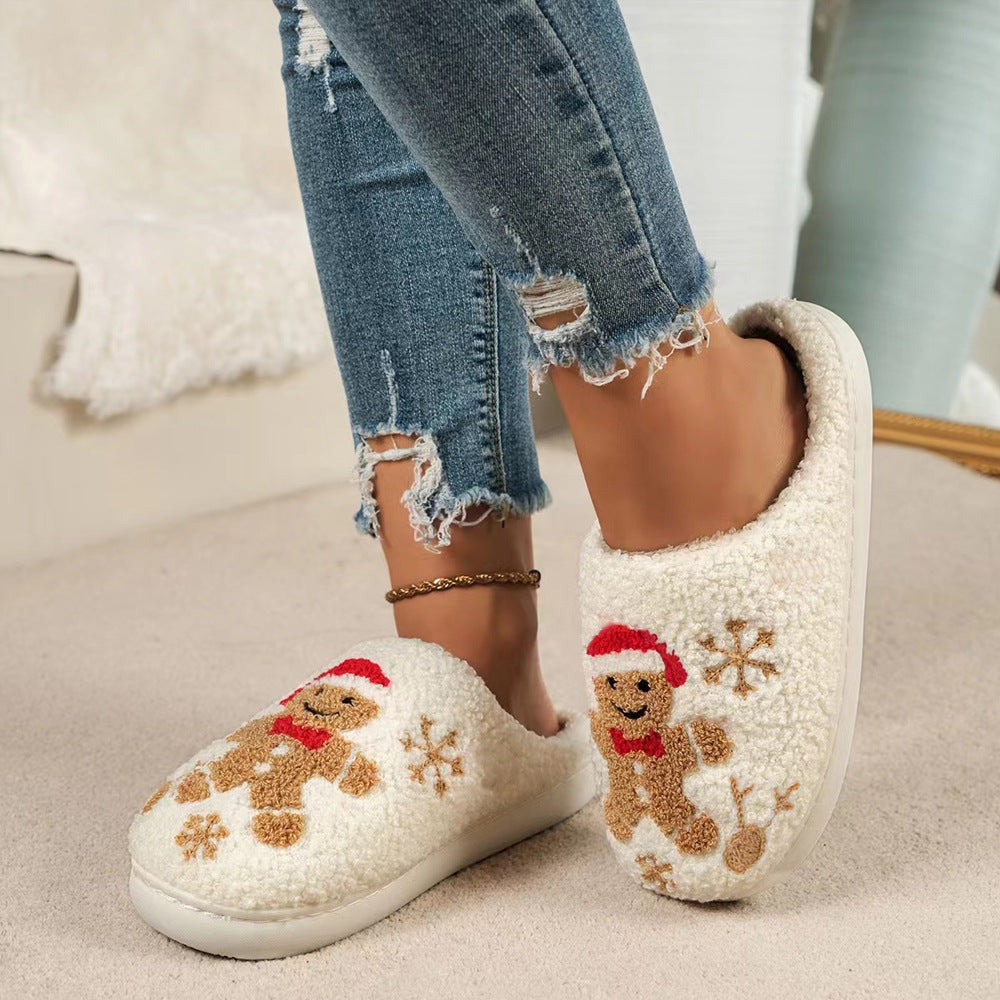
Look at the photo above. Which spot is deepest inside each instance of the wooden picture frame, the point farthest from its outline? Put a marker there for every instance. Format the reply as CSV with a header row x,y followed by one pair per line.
x,y
974,446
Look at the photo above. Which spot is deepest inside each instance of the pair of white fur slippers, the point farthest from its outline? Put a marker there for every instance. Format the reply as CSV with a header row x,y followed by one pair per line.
x,y
724,681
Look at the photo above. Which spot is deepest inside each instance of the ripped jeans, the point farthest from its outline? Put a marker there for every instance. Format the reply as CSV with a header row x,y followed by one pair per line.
x,y
467,168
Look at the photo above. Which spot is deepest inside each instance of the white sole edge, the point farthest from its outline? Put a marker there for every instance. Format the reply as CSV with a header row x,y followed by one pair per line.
x,y
859,387
265,935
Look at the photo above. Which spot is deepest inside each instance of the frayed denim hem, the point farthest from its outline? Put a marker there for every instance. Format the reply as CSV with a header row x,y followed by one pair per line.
x,y
432,507
600,358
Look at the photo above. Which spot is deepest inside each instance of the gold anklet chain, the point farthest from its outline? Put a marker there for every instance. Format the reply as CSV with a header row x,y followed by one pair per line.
x,y
530,579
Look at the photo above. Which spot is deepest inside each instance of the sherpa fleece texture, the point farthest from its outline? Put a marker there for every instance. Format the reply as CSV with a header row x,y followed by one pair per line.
x,y
353,844
786,573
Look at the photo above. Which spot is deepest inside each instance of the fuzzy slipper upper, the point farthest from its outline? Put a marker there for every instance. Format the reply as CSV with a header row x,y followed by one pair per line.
x,y
391,754
724,671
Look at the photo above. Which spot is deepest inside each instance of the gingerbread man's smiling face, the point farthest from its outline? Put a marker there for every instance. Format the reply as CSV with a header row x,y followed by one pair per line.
x,y
329,707
634,701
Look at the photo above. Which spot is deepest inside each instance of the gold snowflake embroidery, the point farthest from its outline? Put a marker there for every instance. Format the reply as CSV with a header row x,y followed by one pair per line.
x,y
655,872
201,833
434,757
739,657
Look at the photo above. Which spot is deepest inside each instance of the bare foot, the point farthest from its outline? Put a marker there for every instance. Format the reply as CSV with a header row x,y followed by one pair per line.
x,y
494,628
711,445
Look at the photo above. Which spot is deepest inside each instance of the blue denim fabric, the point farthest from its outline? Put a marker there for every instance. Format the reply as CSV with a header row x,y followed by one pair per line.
x,y
465,168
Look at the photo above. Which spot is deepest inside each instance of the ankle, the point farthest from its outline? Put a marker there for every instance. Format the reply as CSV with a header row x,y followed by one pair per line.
x,y
492,627
713,442
490,624
495,630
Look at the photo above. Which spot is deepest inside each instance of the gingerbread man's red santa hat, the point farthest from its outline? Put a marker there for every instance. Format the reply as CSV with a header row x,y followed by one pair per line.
x,y
352,671
619,638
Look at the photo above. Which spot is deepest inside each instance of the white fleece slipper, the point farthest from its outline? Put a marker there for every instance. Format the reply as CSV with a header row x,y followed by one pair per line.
x,y
726,671
332,808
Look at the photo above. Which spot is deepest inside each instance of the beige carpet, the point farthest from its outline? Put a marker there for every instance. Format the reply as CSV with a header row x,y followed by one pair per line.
x,y
118,662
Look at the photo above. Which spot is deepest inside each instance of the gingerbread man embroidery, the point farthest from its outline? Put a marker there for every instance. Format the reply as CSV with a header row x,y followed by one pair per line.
x,y
647,756
277,754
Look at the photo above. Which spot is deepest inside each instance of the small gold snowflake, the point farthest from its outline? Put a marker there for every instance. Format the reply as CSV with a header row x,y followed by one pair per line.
x,y
655,872
739,657
434,757
201,833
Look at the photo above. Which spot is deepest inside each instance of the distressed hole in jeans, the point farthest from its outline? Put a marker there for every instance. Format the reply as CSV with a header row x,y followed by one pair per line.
x,y
556,305
430,505
315,47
